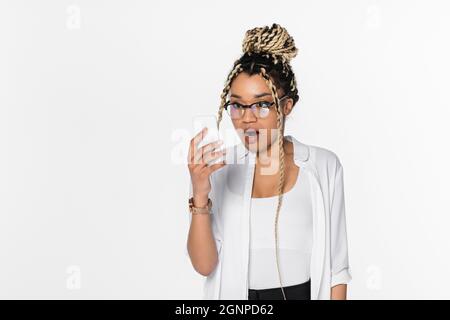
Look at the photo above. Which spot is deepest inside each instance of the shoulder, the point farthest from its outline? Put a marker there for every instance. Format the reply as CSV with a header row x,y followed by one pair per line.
x,y
327,167
324,156
325,160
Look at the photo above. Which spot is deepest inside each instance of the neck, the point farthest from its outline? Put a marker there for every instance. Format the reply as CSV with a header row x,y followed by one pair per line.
x,y
270,158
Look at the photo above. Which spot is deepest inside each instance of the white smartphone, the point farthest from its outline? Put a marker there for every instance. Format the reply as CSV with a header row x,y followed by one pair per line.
x,y
213,135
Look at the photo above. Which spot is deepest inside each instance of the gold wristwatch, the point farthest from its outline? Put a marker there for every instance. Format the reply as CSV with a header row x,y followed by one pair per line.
x,y
199,210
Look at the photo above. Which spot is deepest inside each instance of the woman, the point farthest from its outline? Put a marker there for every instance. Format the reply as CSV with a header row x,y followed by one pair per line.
x,y
234,212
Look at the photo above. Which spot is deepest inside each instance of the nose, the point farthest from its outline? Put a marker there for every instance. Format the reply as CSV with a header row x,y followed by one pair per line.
x,y
248,116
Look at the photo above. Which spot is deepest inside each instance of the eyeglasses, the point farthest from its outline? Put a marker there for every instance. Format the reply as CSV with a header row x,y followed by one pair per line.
x,y
260,109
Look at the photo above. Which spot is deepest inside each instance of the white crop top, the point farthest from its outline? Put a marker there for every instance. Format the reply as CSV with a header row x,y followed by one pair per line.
x,y
294,238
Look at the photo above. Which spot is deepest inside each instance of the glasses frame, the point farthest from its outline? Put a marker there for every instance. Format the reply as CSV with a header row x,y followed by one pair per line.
x,y
250,106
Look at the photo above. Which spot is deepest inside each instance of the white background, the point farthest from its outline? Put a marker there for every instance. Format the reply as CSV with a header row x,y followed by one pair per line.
x,y
96,106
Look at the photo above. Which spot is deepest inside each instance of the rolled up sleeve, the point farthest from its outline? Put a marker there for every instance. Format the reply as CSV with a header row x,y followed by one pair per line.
x,y
340,267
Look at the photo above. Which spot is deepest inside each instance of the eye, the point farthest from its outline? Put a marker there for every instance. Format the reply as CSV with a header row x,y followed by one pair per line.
x,y
264,104
235,105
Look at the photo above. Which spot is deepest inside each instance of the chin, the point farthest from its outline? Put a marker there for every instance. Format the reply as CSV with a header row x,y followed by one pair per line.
x,y
258,146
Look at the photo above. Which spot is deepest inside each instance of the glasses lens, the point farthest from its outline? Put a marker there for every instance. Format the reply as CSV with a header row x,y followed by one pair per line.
x,y
263,112
234,111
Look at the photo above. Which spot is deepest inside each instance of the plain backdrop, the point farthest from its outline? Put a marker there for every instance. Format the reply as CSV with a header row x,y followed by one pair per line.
x,y
97,100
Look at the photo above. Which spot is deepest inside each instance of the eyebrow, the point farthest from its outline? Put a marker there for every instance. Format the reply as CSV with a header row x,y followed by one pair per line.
x,y
256,95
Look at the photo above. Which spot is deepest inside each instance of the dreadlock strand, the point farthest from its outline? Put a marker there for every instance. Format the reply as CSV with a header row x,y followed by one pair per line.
x,y
226,89
281,166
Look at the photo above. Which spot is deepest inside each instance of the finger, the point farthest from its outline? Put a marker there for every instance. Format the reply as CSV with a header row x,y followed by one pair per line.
x,y
192,155
199,137
212,146
194,143
205,149
213,155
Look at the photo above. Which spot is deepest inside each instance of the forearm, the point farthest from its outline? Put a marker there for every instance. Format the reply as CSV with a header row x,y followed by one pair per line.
x,y
339,292
201,245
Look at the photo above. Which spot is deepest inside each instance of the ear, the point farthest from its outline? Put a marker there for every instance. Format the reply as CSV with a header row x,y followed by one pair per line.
x,y
288,105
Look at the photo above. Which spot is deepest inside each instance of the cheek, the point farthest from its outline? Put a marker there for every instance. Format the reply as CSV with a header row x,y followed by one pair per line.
x,y
237,124
270,130
272,118
269,123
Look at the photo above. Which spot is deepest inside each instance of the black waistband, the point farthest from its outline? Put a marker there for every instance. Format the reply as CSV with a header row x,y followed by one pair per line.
x,y
300,291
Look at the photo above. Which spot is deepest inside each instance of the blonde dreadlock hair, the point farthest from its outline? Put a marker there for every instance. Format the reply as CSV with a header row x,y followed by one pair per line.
x,y
268,52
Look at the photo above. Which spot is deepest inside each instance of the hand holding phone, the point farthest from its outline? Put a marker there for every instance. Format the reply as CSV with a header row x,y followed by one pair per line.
x,y
199,170
212,135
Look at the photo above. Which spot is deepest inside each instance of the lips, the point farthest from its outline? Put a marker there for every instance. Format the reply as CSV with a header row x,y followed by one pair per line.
x,y
251,135
251,132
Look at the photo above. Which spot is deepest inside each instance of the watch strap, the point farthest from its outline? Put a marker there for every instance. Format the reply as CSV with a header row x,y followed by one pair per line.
x,y
200,210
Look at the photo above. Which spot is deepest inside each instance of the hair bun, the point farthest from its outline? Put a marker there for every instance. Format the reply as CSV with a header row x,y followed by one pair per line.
x,y
274,40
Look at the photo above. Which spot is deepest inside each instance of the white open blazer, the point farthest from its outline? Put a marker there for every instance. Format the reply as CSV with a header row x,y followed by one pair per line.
x,y
231,190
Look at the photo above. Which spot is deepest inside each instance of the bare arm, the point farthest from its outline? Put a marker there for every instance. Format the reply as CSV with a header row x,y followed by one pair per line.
x,y
339,292
201,244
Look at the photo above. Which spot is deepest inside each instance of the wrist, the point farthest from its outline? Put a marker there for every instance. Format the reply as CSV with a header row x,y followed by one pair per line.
x,y
200,200
196,208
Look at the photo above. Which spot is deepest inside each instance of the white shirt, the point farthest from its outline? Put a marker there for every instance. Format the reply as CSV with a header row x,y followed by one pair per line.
x,y
231,190
294,237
